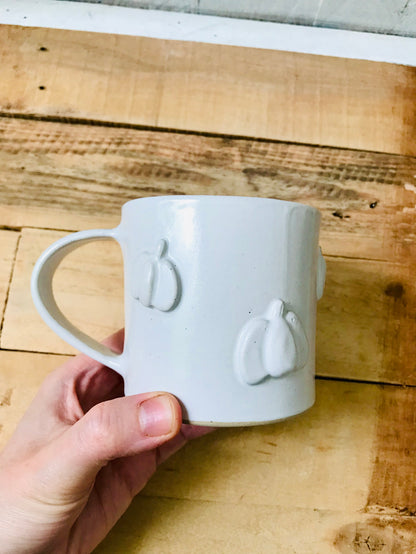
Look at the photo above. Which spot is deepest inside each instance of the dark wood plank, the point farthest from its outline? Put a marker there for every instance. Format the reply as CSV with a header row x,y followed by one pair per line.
x,y
69,176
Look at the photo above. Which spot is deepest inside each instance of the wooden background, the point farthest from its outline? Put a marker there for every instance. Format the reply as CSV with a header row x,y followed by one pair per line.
x,y
88,122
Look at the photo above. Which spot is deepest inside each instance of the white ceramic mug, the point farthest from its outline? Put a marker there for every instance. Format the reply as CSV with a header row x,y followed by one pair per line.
x,y
220,304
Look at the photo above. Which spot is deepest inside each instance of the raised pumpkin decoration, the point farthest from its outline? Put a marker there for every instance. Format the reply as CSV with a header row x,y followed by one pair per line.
x,y
274,344
156,280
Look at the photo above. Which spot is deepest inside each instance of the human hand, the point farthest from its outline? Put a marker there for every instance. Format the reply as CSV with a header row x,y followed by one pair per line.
x,y
80,454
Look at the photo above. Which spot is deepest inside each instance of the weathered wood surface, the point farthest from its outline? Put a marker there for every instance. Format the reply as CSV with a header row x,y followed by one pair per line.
x,y
366,318
66,176
74,176
155,525
89,289
209,88
8,246
21,374
336,479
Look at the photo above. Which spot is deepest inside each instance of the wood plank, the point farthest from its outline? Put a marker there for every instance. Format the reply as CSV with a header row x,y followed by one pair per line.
x,y
328,458
155,525
307,483
21,374
8,246
323,459
209,88
71,177
392,490
352,451
89,289
365,323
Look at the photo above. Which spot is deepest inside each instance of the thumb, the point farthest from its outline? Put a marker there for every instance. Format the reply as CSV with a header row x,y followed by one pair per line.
x,y
114,429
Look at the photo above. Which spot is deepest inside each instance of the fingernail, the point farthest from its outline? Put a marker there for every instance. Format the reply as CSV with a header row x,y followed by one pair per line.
x,y
156,416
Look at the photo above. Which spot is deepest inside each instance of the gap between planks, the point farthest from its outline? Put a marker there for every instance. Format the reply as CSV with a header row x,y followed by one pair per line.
x,y
6,299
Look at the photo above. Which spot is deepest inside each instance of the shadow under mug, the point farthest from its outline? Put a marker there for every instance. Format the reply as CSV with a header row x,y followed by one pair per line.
x,y
220,304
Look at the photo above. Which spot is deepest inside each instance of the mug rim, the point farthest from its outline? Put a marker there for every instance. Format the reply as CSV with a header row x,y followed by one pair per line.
x,y
221,198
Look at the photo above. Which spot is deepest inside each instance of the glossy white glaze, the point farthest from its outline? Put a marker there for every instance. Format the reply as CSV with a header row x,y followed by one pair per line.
x,y
156,281
213,264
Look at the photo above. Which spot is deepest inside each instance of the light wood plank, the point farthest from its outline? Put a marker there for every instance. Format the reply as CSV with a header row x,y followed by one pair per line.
x,y
353,450
313,482
78,176
208,88
330,458
365,324
89,289
323,459
170,526
21,374
8,245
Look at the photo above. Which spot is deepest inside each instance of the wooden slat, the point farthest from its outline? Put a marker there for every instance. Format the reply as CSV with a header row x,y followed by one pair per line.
x,y
8,245
323,467
78,176
352,451
366,322
21,374
209,88
89,289
365,325
155,525
323,459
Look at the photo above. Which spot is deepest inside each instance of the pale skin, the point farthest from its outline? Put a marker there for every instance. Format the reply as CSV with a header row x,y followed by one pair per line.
x,y
79,456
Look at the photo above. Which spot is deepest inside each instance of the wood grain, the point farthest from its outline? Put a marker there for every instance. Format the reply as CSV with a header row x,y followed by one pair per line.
x,y
322,459
88,287
337,479
395,459
68,176
209,88
304,485
8,246
155,525
21,374
365,325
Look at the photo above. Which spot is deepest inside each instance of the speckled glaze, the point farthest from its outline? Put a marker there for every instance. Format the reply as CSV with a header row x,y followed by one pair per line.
x,y
220,304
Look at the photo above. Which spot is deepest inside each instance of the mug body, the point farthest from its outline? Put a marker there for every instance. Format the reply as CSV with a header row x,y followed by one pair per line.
x,y
220,305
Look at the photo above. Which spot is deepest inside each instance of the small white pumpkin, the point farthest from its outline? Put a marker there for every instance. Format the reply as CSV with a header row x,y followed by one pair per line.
x,y
156,283
273,344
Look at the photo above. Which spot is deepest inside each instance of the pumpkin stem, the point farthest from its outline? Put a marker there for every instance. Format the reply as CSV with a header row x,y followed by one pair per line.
x,y
275,309
161,247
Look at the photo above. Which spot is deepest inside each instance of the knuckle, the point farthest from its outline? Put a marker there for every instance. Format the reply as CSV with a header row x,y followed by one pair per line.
x,y
99,431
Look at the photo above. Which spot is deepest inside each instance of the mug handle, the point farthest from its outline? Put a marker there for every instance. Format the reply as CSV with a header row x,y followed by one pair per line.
x,y
43,297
